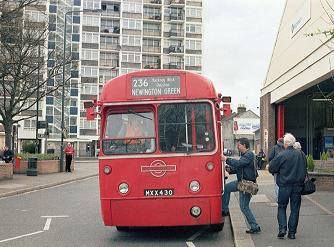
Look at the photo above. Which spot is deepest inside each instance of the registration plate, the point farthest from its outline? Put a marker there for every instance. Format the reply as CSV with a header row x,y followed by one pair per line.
x,y
158,192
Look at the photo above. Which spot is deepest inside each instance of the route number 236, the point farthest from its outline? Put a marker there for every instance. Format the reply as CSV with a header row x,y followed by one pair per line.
x,y
140,83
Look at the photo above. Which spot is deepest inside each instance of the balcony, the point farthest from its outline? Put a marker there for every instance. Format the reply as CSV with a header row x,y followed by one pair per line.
x,y
174,2
151,49
113,63
176,17
152,1
174,65
114,30
152,17
110,10
175,49
151,32
176,33
155,65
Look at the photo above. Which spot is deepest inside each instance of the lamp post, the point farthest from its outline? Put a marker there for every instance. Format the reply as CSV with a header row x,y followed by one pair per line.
x,y
61,168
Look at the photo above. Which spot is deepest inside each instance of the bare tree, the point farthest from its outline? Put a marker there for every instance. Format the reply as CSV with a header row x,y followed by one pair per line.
x,y
23,69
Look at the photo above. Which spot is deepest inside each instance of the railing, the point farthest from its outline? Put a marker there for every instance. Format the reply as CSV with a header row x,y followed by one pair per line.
x,y
115,29
175,49
151,49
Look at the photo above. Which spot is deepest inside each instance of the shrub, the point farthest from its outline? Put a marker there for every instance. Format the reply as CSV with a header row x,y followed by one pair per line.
x,y
25,156
310,163
324,156
28,147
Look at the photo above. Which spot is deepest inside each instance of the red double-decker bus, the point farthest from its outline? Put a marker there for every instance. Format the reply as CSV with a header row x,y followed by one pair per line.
x,y
160,150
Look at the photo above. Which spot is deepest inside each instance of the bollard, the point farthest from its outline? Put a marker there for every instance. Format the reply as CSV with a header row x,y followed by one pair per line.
x,y
32,166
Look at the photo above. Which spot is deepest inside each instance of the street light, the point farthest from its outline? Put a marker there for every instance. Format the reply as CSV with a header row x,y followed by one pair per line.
x,y
61,168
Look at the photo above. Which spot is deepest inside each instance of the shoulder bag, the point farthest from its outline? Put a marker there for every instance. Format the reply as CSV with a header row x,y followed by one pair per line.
x,y
248,186
309,185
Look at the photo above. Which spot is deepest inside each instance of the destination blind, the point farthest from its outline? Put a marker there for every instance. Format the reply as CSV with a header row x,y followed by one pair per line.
x,y
156,86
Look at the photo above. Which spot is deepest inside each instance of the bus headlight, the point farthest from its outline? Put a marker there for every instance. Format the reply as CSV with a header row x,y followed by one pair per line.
x,y
210,166
107,170
194,186
195,211
123,188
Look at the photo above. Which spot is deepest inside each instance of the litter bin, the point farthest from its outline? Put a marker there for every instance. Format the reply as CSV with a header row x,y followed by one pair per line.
x,y
17,162
32,167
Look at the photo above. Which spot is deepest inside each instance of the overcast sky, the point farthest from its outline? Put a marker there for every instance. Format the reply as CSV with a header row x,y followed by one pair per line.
x,y
239,36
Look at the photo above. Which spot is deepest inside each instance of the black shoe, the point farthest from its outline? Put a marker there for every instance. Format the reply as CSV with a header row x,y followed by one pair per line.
x,y
253,231
281,234
291,236
225,214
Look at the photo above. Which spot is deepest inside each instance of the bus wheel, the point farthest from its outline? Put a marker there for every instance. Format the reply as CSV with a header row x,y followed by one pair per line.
x,y
216,227
122,228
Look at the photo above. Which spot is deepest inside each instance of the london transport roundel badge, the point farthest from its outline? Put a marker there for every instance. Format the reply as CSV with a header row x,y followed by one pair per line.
x,y
158,168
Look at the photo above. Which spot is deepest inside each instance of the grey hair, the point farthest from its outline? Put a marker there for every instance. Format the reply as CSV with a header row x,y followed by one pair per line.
x,y
289,139
297,145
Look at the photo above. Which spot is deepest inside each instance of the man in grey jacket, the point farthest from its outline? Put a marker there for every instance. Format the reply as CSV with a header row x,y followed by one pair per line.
x,y
290,167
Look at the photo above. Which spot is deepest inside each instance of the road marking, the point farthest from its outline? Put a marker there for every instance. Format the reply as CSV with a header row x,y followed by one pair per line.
x,y
193,237
47,224
320,206
22,236
190,244
56,216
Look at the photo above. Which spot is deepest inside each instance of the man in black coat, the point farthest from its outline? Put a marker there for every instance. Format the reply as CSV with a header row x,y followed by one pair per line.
x,y
290,167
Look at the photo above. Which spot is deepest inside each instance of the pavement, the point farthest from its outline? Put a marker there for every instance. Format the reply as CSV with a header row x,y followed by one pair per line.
x,y
316,222
21,183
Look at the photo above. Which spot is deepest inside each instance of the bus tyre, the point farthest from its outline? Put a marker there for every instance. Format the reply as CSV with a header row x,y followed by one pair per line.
x,y
217,227
122,228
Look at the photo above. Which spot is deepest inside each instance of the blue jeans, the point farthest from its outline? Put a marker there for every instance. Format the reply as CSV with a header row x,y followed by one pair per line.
x,y
286,193
244,199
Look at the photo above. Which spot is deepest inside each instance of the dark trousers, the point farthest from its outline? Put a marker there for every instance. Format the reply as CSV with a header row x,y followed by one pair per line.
x,y
286,193
68,162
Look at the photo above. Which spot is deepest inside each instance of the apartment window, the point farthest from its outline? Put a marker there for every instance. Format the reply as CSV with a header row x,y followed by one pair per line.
x,y
89,54
108,42
92,21
132,7
194,12
36,16
90,37
49,110
29,124
151,43
193,44
194,28
87,88
151,12
73,103
91,4
131,57
109,59
132,24
84,124
89,71
193,60
175,43
172,59
151,27
109,24
131,40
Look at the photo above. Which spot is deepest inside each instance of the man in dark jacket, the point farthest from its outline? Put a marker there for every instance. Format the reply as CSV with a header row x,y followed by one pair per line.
x,y
244,169
7,154
273,153
290,167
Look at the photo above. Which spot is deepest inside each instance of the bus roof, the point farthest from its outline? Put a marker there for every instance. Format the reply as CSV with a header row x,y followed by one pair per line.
x,y
157,85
